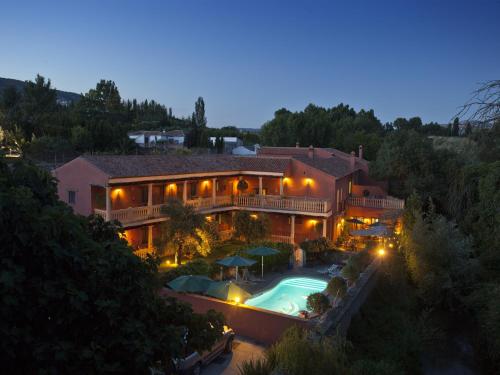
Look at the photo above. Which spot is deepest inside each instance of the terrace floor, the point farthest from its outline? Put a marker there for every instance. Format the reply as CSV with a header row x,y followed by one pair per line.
x,y
243,350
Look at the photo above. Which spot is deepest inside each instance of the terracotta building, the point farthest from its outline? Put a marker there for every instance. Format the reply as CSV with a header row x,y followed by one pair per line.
x,y
307,192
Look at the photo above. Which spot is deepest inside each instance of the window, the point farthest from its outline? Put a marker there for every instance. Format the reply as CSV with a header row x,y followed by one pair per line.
x,y
71,196
350,187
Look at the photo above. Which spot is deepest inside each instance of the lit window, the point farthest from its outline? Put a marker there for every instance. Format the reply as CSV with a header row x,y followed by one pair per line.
x,y
71,197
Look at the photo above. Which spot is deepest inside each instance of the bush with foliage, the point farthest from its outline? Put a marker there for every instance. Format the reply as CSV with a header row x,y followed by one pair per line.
x,y
194,267
250,228
297,354
278,262
74,297
337,287
350,272
318,303
319,245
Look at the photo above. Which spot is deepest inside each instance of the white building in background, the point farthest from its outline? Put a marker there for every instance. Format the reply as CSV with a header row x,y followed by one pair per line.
x,y
151,138
230,143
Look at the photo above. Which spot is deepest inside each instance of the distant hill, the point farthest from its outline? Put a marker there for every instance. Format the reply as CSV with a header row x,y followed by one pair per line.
x,y
63,97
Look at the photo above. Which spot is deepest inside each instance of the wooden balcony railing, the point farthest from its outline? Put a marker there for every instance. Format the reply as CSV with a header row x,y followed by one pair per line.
x,y
143,253
271,202
312,205
389,203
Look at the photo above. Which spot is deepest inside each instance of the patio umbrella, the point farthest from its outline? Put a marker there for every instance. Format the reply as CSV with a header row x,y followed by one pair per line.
x,y
377,224
227,291
190,283
236,261
262,252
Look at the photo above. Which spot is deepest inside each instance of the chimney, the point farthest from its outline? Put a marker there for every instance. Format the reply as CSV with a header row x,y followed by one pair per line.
x,y
360,155
297,144
353,160
310,152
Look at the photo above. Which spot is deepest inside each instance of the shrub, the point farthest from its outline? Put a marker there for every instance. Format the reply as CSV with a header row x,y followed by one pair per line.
x,y
350,272
296,354
272,262
319,245
318,303
251,228
337,287
195,267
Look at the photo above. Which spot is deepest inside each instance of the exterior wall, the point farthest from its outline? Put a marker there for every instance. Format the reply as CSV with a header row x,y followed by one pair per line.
x,y
79,175
137,238
271,185
307,228
226,186
373,190
366,212
261,325
341,192
280,224
129,196
308,182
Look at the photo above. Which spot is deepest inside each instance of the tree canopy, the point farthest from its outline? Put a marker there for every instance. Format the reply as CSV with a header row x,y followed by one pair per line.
x,y
74,297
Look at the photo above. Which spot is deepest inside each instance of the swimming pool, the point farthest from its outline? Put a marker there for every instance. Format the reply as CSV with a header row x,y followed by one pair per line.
x,y
289,296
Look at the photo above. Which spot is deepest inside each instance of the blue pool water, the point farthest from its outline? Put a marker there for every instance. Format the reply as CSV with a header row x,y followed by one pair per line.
x,y
289,296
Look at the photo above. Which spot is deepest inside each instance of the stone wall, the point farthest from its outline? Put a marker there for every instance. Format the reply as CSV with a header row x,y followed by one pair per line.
x,y
264,326
338,319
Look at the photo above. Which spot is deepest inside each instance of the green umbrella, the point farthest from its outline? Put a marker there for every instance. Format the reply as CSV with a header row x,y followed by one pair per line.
x,y
227,291
236,261
262,252
190,283
377,224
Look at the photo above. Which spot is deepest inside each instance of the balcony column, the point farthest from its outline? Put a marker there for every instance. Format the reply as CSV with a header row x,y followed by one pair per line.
x,y
292,229
108,203
214,191
260,185
185,192
150,236
281,186
150,199
324,227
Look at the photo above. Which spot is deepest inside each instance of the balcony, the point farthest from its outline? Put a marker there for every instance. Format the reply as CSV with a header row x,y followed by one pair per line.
x,y
384,203
271,203
279,203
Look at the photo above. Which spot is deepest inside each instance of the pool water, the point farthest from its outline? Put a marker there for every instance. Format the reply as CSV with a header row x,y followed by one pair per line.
x,y
289,296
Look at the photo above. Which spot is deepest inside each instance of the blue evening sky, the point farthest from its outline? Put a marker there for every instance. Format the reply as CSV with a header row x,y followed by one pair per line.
x,y
250,58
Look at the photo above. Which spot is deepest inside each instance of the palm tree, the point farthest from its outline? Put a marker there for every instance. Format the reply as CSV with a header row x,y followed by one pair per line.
x,y
181,227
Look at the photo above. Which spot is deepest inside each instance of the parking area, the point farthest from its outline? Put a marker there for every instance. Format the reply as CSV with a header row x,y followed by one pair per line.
x,y
227,364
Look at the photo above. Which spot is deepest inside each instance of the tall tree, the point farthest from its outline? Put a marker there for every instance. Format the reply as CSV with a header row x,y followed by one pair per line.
x,y
455,128
183,227
197,136
38,104
74,297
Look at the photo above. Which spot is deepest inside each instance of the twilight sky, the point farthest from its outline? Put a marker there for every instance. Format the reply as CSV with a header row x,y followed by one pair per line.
x,y
250,58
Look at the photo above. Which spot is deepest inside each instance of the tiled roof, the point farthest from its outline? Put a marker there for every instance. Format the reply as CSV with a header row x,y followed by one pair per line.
x,y
334,166
164,165
328,160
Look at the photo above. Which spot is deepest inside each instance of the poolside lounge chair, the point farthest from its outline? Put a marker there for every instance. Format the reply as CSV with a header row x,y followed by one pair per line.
x,y
333,269
248,277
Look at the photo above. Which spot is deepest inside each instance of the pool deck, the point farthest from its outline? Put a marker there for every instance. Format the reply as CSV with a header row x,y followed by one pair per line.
x,y
273,278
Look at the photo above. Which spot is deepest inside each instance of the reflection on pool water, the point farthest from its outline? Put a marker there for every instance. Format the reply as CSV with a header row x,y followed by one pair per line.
x,y
289,296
